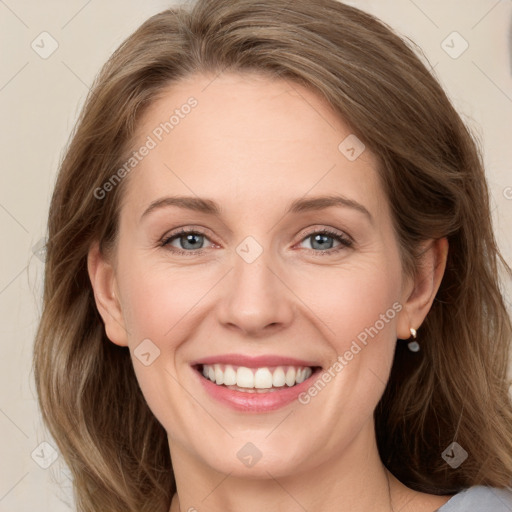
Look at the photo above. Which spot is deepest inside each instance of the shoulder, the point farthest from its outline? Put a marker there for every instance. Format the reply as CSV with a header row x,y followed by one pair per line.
x,y
479,499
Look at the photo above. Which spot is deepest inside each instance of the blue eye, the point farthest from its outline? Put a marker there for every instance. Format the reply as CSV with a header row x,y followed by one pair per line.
x,y
318,239
190,241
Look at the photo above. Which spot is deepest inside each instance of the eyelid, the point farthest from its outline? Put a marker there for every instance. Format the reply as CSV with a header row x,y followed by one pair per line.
x,y
182,231
346,241
326,229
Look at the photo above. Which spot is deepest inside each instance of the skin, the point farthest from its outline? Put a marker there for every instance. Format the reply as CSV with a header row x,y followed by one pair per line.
x,y
253,145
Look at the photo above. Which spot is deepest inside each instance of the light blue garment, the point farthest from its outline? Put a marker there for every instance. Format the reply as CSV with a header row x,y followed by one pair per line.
x,y
479,499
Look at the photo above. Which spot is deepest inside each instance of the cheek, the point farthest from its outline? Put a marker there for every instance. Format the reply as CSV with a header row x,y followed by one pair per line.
x,y
158,305
353,299
156,299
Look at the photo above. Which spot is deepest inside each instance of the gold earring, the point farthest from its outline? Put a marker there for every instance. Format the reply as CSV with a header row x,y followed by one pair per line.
x,y
413,344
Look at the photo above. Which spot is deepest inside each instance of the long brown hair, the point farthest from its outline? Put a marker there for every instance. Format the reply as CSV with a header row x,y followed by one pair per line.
x,y
454,389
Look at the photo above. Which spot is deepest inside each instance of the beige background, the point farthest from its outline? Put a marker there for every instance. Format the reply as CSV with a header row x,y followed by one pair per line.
x,y
39,101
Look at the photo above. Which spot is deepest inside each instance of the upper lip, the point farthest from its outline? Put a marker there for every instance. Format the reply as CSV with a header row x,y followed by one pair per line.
x,y
253,361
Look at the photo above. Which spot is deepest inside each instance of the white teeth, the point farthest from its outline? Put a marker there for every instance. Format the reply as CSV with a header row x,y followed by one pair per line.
x,y
278,379
290,376
262,378
244,377
256,378
303,374
229,376
219,375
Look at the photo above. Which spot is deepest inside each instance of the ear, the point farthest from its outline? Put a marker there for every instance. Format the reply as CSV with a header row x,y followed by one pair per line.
x,y
419,292
103,280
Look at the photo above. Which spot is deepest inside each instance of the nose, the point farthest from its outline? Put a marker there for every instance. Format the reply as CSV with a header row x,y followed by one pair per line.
x,y
256,300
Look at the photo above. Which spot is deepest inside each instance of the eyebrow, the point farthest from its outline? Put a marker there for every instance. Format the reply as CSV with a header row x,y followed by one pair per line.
x,y
209,207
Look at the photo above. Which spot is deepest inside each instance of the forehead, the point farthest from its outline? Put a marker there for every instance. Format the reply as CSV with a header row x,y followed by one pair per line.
x,y
247,138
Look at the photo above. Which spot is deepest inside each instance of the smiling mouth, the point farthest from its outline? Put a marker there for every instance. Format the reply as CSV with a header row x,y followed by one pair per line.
x,y
256,380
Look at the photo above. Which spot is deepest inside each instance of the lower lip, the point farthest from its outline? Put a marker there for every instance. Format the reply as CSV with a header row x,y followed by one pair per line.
x,y
256,402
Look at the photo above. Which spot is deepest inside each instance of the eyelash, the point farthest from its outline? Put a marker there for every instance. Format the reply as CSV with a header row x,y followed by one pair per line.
x,y
345,242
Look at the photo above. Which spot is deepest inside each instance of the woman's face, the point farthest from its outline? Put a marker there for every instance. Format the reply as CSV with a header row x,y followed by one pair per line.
x,y
257,289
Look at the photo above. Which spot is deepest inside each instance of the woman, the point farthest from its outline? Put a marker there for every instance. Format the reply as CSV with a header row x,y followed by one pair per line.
x,y
271,277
